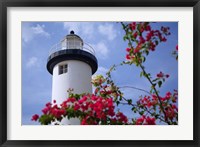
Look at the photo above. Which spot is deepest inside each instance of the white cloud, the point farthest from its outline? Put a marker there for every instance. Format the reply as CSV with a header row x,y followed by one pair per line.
x,y
75,26
29,32
101,50
33,61
39,29
89,30
84,29
108,31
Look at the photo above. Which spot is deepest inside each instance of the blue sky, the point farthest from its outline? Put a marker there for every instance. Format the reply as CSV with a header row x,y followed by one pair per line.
x,y
107,40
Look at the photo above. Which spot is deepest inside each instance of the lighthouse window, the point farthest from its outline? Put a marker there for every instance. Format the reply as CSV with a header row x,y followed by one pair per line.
x,y
63,69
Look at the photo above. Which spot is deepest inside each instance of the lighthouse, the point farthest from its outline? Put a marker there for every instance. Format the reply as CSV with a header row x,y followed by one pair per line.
x,y
71,63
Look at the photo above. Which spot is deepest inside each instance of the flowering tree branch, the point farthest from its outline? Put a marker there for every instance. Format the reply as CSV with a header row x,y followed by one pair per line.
x,y
136,54
100,108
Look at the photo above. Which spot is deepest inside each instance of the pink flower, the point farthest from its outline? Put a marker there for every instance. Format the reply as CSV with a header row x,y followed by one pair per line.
x,y
140,120
76,107
57,112
128,57
142,29
152,46
132,26
164,39
94,97
110,102
113,120
165,29
141,40
45,110
149,35
175,107
122,117
160,75
48,104
135,34
150,121
128,49
71,100
170,113
148,28
137,49
177,47
149,104
168,95
84,122
35,117
64,104
111,112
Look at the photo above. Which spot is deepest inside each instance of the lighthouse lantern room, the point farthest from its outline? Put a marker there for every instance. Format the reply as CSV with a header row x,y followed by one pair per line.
x,y
72,41
71,63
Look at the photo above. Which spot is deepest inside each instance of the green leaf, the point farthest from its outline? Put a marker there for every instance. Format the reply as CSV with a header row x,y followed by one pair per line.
x,y
129,101
138,28
146,75
141,112
125,37
45,119
156,42
141,74
155,80
156,116
77,96
159,83
175,123
143,59
147,52
134,109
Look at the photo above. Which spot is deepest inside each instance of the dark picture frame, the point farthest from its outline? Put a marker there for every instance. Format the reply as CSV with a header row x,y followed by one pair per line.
x,y
4,4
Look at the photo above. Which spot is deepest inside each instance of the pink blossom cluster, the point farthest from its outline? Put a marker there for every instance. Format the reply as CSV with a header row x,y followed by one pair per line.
x,y
162,75
145,120
91,110
145,37
169,103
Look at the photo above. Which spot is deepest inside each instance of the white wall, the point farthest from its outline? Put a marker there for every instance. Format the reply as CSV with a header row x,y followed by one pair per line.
x,y
78,77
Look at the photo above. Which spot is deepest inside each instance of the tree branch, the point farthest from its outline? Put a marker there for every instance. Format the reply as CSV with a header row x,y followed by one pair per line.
x,y
148,78
136,89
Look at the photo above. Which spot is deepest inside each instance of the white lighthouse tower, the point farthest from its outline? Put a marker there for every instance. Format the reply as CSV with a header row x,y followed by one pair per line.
x,y
71,64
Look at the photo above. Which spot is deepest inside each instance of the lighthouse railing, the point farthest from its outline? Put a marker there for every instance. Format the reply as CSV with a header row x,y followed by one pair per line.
x,y
62,46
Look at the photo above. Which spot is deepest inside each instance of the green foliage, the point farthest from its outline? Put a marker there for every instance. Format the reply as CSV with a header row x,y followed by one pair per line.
x,y
129,101
159,83
45,119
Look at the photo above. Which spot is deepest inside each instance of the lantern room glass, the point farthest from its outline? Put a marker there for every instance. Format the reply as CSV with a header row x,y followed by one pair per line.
x,y
72,42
